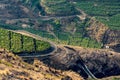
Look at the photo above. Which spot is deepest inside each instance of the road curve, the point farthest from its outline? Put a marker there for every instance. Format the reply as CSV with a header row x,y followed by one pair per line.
x,y
53,45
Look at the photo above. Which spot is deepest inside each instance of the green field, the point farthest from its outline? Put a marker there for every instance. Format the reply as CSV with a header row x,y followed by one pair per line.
x,y
58,7
51,7
62,29
19,43
79,38
106,11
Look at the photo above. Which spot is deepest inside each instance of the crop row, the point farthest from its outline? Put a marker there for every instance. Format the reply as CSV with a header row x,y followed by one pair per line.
x,y
55,7
107,11
19,43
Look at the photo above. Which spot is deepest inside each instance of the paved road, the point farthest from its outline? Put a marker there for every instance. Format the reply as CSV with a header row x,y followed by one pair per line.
x,y
63,56
53,45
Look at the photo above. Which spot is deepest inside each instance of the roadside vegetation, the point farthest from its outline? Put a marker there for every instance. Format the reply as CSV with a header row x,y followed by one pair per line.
x,y
62,36
78,38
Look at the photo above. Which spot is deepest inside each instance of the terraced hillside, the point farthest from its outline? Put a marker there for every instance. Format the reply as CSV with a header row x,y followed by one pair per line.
x,y
60,8
52,7
73,26
65,29
18,43
83,30
106,11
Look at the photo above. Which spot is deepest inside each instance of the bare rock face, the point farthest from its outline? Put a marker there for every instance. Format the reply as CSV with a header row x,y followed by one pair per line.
x,y
102,63
62,59
116,47
12,67
112,37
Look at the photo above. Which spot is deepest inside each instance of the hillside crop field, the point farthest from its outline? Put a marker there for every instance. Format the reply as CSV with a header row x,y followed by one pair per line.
x,y
106,11
77,35
19,43
64,21
60,8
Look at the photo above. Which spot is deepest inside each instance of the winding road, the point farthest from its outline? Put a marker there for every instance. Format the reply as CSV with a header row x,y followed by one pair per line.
x,y
53,45
64,56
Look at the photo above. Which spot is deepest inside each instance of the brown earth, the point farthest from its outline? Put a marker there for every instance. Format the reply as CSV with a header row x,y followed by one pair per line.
x,y
13,67
96,30
101,62
103,34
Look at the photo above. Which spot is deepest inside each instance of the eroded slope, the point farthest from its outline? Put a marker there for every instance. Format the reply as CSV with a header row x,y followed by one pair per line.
x,y
12,67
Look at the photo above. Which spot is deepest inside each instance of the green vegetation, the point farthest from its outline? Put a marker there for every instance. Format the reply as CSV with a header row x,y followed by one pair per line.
x,y
15,42
115,79
113,22
58,7
106,11
28,45
61,31
4,38
40,44
32,3
19,43
78,38
7,26
51,7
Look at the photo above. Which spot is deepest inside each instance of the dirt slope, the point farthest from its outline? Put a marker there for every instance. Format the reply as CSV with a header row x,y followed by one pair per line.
x,y
101,62
13,68
102,33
